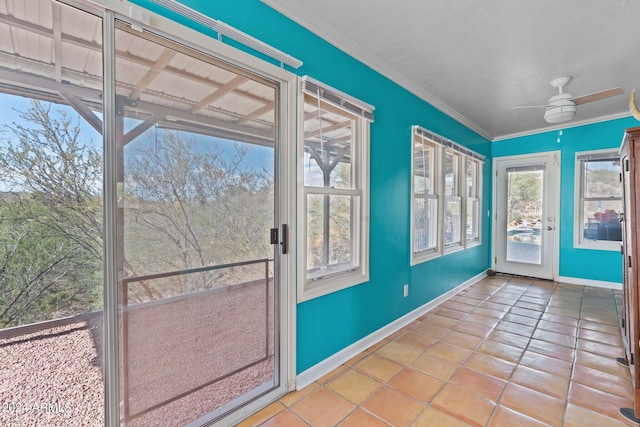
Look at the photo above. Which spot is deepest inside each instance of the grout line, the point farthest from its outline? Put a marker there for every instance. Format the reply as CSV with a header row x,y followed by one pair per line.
x,y
482,296
573,363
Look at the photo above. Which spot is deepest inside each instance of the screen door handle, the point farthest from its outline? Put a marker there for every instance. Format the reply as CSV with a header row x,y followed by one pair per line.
x,y
285,239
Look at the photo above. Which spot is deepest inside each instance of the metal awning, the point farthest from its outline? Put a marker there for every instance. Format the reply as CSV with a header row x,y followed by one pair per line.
x,y
53,52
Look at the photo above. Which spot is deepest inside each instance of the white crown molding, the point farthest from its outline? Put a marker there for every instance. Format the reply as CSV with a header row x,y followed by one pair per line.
x,y
331,36
563,126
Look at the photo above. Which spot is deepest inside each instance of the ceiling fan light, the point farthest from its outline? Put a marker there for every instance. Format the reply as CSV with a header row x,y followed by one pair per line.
x,y
560,113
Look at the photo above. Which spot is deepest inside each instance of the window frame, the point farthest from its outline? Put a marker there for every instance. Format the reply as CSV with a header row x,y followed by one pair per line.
x,y
443,146
314,287
579,241
477,197
434,195
456,196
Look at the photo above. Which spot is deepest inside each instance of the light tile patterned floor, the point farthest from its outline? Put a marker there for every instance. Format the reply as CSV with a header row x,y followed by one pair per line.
x,y
508,351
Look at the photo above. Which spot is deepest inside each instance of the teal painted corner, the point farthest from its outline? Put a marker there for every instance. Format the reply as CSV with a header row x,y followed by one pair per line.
x,y
577,263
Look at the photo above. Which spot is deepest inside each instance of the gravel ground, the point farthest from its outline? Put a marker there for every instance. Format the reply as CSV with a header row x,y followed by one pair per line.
x,y
54,377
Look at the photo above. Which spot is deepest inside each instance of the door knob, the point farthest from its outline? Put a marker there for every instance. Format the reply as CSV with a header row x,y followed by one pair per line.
x,y
549,228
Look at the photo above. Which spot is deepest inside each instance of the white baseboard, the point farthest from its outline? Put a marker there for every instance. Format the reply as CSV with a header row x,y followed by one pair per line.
x,y
590,282
332,362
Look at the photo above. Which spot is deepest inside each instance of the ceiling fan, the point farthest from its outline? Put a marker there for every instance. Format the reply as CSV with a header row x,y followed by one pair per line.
x,y
563,106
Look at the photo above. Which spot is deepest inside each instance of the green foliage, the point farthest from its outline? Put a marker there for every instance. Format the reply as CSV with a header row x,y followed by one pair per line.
x,y
192,204
43,275
51,228
187,204
603,183
524,196
336,211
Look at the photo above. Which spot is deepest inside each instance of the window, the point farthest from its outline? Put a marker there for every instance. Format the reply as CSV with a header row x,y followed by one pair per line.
x,y
425,199
598,204
334,202
453,201
473,179
446,188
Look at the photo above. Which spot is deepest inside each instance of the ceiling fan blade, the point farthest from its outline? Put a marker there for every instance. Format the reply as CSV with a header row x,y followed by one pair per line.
x,y
523,107
596,96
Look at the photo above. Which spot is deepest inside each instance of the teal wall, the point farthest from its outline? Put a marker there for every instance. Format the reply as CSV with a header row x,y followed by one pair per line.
x,y
579,263
328,324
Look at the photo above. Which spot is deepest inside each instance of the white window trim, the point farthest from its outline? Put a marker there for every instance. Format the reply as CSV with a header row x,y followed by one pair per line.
x,y
579,242
432,253
314,288
443,144
460,243
479,171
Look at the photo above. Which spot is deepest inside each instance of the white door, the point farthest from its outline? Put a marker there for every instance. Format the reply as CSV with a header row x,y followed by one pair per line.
x,y
525,206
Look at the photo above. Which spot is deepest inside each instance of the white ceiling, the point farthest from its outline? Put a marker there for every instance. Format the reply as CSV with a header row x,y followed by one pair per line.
x,y
476,59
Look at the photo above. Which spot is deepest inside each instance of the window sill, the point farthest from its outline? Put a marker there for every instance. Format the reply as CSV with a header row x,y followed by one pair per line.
x,y
473,244
599,245
317,288
453,248
424,257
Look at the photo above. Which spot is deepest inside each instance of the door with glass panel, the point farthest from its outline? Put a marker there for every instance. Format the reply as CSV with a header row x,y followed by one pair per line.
x,y
525,228
197,199
51,234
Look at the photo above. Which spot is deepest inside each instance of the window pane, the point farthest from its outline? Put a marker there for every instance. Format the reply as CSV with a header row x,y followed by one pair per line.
x,y
472,178
472,219
452,221
451,173
602,220
51,216
524,212
602,179
425,233
423,157
328,151
601,200
330,234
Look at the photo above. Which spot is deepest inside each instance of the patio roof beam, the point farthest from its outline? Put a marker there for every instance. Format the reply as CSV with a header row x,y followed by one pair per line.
x,y
85,94
84,111
219,93
57,39
257,113
45,84
42,83
201,120
337,126
156,68
42,31
142,128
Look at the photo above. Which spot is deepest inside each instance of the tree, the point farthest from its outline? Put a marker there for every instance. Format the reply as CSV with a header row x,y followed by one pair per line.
x,y
51,233
192,203
187,204
42,275
525,190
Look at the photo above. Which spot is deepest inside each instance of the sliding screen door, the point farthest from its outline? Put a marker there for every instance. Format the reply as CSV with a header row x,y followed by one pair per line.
x,y
197,295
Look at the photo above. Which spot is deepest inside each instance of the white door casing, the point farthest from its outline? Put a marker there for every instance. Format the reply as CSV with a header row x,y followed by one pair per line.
x,y
526,217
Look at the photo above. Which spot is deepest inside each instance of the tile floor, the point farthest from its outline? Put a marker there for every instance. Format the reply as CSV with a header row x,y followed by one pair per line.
x,y
507,351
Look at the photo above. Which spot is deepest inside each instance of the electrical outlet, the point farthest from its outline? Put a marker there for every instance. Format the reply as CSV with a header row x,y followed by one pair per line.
x,y
406,290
